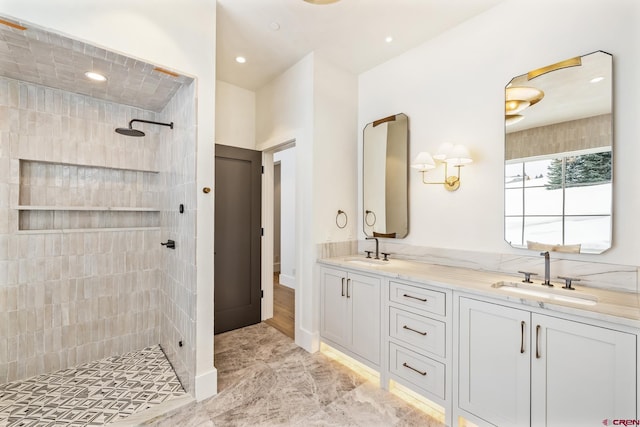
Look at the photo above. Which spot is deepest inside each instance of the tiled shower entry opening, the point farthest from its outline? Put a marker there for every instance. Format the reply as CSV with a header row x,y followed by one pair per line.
x,y
92,394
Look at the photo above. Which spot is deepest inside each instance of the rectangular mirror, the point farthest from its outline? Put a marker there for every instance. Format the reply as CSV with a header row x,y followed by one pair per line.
x,y
384,177
558,156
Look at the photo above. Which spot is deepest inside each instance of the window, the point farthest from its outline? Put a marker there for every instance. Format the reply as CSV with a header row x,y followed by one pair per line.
x,y
560,200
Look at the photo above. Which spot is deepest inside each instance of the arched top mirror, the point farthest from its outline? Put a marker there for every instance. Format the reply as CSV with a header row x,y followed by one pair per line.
x,y
558,156
384,177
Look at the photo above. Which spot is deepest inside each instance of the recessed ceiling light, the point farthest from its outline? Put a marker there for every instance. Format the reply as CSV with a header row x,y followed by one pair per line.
x,y
321,1
241,59
95,76
274,26
388,39
597,79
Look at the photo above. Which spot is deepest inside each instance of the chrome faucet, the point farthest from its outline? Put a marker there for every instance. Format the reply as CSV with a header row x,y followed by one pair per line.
x,y
547,269
377,246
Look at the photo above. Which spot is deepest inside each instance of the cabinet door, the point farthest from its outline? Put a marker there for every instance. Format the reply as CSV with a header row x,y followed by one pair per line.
x,y
581,374
335,324
494,363
364,298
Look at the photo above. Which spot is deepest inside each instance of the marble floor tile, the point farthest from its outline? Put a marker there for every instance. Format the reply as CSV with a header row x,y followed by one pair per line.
x,y
264,379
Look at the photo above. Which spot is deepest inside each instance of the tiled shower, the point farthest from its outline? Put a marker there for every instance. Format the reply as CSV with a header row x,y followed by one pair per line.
x,y
83,211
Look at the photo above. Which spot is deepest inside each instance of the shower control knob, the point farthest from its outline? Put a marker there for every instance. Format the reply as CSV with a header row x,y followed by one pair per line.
x,y
170,244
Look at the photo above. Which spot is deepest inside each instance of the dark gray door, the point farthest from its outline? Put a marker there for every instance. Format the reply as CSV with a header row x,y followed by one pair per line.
x,y
238,189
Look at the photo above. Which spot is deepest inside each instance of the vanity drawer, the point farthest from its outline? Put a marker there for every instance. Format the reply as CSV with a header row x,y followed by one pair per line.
x,y
419,370
421,332
414,296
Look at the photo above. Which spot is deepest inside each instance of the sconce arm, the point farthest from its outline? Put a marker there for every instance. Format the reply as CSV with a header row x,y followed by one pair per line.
x,y
451,183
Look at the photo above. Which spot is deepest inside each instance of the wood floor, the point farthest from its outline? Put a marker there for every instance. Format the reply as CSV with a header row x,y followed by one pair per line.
x,y
283,308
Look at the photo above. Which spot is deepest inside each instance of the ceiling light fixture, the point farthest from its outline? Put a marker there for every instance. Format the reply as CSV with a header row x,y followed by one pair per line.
x,y
596,79
274,26
388,39
516,99
241,59
97,77
511,119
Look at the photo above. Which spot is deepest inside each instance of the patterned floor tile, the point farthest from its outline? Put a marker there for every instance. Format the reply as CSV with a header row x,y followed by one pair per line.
x,y
92,394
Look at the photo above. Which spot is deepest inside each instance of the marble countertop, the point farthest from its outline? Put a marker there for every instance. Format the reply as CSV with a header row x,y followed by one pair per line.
x,y
622,308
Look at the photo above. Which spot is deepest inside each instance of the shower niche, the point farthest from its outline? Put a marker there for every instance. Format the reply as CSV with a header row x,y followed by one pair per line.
x,y
68,197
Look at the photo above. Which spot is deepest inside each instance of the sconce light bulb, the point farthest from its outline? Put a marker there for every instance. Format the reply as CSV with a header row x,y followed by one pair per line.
x,y
443,151
423,162
459,155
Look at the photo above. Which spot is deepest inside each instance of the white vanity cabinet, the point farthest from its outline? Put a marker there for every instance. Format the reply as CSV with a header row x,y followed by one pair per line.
x,y
350,315
418,339
521,368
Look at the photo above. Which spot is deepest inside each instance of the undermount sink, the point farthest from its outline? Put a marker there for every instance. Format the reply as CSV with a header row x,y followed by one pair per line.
x,y
540,291
367,261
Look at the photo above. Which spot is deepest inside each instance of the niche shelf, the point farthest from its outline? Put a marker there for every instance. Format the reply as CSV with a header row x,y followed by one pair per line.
x,y
73,197
84,208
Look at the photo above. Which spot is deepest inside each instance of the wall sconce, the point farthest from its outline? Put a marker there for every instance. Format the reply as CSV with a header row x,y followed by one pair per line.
x,y
454,155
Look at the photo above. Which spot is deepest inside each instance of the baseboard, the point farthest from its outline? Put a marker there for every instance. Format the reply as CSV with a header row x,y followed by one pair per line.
x,y
206,385
288,281
310,341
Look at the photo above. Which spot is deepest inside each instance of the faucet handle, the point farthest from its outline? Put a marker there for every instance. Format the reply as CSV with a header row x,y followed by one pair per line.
x,y
386,254
368,253
527,276
567,282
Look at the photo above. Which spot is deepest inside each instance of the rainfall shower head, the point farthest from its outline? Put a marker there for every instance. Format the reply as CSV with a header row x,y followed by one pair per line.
x,y
130,131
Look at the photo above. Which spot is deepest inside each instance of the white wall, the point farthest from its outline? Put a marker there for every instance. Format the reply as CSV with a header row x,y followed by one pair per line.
x,y
314,103
178,38
452,89
235,116
287,159
335,153
284,113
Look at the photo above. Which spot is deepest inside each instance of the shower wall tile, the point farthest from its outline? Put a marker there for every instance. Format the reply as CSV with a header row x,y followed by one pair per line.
x,y
177,296
74,297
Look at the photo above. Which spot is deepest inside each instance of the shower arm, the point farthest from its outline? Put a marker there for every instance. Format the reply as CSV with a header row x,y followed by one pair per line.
x,y
149,121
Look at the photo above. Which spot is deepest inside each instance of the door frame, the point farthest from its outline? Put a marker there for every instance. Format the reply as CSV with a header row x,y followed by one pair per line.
x,y
267,218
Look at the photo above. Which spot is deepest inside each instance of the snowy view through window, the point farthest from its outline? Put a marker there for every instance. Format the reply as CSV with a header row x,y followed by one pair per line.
x,y
560,201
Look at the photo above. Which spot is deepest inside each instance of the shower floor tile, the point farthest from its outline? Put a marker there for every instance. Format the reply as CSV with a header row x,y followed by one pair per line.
x,y
92,394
